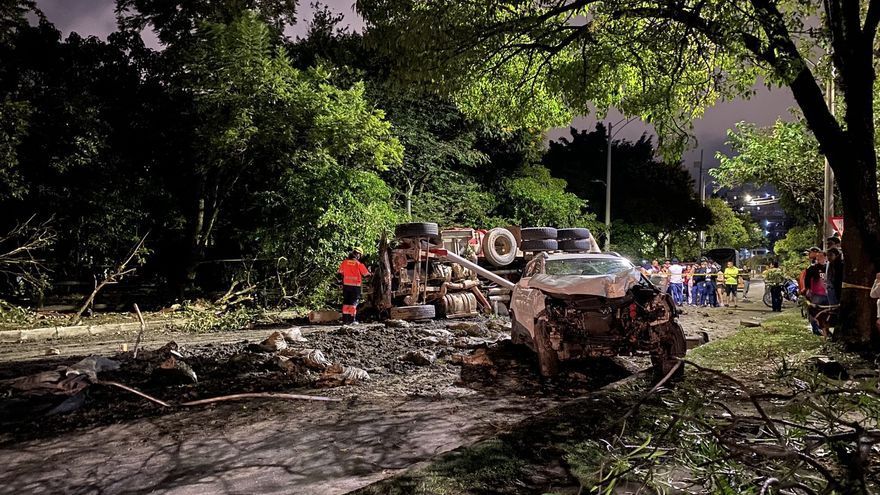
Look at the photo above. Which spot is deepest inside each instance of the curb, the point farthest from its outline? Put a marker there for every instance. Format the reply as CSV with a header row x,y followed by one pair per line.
x,y
60,332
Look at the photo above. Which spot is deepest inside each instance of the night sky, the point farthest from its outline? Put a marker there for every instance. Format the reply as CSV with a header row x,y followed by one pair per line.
x,y
96,17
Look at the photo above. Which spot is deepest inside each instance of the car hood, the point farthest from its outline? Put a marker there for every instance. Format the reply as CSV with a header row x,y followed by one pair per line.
x,y
611,285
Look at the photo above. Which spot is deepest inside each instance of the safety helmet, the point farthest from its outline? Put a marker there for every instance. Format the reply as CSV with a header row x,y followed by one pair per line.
x,y
358,250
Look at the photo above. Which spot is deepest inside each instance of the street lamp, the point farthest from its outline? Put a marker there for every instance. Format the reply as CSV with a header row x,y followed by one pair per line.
x,y
608,179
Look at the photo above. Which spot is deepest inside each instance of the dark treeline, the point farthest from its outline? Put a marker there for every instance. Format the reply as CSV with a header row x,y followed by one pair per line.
x,y
236,142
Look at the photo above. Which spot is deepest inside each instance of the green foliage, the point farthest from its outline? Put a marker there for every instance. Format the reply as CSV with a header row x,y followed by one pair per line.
x,y
784,155
537,198
315,218
13,127
751,348
530,65
729,229
790,249
202,318
12,314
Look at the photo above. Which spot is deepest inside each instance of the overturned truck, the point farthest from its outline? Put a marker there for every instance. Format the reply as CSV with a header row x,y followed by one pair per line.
x,y
424,272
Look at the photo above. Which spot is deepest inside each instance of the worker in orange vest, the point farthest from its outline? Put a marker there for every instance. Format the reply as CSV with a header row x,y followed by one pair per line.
x,y
352,272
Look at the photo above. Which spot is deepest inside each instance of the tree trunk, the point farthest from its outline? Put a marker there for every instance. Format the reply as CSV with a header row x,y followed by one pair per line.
x,y
861,244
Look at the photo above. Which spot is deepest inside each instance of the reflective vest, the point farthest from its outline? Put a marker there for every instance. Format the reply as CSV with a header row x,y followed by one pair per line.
x,y
352,272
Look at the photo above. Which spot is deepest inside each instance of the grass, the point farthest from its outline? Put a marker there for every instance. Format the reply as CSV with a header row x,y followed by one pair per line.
x,y
752,349
584,441
484,468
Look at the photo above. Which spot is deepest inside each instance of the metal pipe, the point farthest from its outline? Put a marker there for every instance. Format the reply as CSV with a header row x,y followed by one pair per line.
x,y
479,270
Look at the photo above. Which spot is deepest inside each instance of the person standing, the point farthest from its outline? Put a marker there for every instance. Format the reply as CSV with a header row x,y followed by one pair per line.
x,y
834,276
746,276
731,282
712,285
817,293
676,282
700,284
352,272
774,278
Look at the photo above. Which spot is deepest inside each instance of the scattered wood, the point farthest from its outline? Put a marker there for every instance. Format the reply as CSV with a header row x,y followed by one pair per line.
x,y
224,398
137,342
259,395
113,278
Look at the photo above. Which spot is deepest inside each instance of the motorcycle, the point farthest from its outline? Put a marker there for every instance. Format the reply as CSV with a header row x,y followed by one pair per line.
x,y
789,293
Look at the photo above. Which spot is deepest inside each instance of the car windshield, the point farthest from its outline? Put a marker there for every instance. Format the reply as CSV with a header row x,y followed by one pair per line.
x,y
586,266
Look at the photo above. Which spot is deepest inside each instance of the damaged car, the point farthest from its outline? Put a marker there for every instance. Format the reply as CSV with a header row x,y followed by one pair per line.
x,y
571,306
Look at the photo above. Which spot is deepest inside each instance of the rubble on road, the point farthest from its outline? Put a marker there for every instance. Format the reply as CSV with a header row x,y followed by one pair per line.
x,y
293,335
274,343
337,375
408,358
419,358
468,329
397,324
174,371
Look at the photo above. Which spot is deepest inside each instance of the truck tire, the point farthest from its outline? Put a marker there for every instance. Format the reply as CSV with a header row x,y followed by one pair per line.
x,y
563,234
574,245
548,360
409,313
673,346
417,230
499,247
538,233
540,245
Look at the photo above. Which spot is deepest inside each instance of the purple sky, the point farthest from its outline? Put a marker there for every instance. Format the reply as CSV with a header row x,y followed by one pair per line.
x,y
96,17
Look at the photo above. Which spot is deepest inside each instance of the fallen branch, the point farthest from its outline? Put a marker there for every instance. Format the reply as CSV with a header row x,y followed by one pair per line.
x,y
137,342
257,395
223,398
114,277
136,392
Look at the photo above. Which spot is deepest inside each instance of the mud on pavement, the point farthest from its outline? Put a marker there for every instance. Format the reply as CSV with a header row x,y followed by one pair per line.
x,y
371,362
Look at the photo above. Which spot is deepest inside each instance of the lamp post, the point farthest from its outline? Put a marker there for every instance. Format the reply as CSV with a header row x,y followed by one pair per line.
x,y
608,191
608,179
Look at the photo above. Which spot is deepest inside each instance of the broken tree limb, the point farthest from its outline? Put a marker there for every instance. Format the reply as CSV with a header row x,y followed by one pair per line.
x,y
137,342
257,395
222,398
114,277
136,392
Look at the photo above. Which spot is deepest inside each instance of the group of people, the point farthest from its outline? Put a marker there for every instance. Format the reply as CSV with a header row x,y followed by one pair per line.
x,y
822,283
702,283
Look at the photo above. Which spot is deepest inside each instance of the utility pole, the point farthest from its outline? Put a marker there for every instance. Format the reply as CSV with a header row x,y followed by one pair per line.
x,y
702,200
608,192
828,203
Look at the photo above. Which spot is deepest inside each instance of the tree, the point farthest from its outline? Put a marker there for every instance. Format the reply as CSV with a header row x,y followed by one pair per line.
x,y
729,229
640,182
784,155
537,198
665,61
175,22
790,249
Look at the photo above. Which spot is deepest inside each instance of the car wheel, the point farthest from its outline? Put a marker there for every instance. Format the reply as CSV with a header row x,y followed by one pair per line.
x,y
673,346
539,245
538,233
